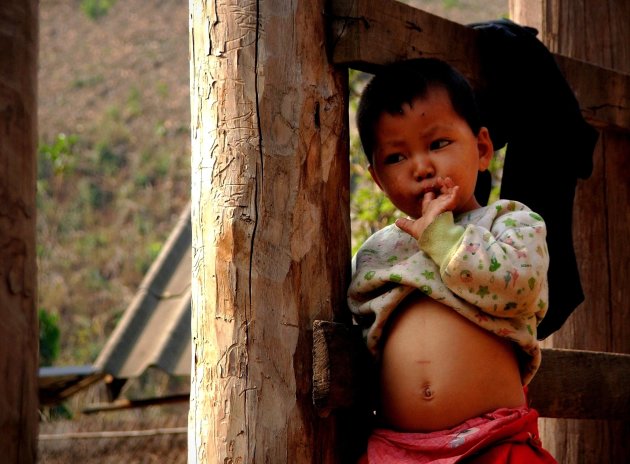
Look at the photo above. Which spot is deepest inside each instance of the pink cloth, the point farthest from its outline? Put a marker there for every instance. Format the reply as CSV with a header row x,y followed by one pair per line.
x,y
503,436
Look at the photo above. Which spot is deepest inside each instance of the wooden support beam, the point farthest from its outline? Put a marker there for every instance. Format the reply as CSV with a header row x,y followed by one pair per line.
x,y
570,383
365,34
270,227
19,43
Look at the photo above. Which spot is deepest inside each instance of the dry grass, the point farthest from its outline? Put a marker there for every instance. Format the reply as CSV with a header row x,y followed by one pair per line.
x,y
156,449
165,448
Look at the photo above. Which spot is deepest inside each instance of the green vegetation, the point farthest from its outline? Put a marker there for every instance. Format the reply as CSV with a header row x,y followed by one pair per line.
x,y
58,156
370,210
95,9
450,3
49,335
134,103
87,81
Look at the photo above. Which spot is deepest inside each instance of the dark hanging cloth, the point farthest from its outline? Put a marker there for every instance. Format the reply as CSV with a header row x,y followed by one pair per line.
x,y
527,104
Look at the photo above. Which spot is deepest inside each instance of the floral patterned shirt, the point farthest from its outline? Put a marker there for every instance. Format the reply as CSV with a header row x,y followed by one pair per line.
x,y
490,265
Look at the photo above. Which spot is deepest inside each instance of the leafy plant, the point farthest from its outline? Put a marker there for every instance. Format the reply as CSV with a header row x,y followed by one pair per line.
x,y
95,9
58,156
49,337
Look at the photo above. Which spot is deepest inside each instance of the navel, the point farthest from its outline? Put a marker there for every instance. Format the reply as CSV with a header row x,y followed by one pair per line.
x,y
427,392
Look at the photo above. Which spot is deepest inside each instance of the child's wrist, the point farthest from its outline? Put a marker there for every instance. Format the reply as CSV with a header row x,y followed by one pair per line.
x,y
440,237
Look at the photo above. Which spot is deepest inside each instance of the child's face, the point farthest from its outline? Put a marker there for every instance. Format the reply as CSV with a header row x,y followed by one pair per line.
x,y
426,141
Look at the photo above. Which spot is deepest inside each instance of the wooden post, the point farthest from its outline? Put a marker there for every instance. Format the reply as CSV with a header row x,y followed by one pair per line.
x,y
595,31
18,319
270,221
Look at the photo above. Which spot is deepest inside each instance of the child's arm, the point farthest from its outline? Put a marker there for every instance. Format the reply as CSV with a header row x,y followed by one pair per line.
x,y
499,266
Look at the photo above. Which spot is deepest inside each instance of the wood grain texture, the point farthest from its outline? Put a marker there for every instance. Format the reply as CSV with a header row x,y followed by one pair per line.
x,y
18,275
270,217
582,384
597,32
366,34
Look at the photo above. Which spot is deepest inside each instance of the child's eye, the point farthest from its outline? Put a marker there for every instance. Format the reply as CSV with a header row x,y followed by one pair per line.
x,y
393,158
440,143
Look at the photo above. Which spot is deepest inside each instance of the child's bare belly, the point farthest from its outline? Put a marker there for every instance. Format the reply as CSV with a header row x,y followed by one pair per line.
x,y
439,369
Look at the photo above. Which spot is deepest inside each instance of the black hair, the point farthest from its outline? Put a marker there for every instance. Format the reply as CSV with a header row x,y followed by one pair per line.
x,y
403,81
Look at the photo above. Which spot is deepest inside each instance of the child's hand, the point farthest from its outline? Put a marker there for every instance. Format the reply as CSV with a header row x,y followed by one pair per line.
x,y
436,201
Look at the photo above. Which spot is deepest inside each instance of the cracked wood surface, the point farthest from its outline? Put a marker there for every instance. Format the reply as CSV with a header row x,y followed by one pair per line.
x,y
270,227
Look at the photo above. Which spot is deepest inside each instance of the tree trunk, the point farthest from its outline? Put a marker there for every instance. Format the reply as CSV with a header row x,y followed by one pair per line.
x,y
270,220
18,139
595,31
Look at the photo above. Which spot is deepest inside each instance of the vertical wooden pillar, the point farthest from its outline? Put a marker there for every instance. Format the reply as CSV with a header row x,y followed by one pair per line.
x,y
595,31
18,317
270,220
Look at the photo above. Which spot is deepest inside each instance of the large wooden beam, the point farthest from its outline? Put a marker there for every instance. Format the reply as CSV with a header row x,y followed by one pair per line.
x,y
570,383
366,34
270,227
18,271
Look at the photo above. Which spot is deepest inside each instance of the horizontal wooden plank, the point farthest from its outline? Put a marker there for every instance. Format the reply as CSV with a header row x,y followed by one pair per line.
x,y
570,384
603,94
575,384
365,34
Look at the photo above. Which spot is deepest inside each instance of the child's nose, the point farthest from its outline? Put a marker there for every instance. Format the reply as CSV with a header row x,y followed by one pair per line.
x,y
423,167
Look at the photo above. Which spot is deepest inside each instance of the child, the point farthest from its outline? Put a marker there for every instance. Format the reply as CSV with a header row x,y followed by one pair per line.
x,y
449,299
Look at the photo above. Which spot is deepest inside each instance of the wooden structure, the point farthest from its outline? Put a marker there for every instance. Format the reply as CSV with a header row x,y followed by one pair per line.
x,y
270,226
596,32
18,144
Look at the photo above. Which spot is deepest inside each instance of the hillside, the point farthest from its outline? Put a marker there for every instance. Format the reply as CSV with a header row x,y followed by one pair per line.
x,y
114,158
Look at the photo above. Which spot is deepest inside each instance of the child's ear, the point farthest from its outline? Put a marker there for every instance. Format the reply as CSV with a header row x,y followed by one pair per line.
x,y
374,176
485,148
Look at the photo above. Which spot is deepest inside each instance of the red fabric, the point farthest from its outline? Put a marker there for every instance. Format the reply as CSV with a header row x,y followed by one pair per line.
x,y
504,436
